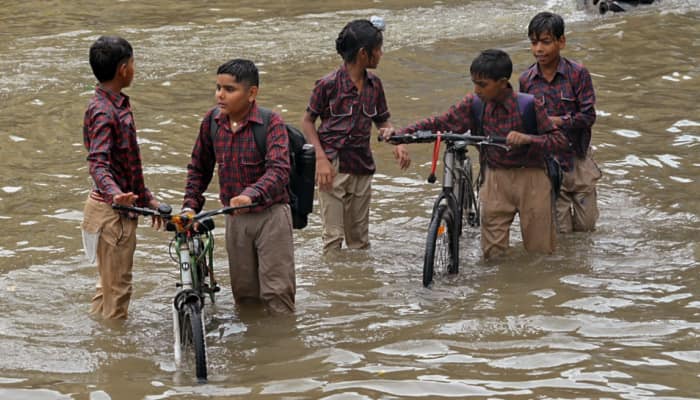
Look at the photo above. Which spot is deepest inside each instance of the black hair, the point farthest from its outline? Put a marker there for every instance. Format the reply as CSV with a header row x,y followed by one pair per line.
x,y
356,35
243,71
546,22
107,54
492,64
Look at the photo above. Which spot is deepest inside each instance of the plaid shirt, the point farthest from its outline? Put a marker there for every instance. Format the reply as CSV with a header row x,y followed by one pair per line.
x,y
242,168
499,119
346,118
570,94
114,160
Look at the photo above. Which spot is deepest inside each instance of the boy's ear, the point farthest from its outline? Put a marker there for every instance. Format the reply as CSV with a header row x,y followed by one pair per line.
x,y
562,42
252,93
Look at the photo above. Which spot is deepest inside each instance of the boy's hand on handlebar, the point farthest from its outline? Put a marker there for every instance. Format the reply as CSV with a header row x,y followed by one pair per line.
x,y
401,155
324,174
128,200
386,133
125,199
516,139
241,200
156,220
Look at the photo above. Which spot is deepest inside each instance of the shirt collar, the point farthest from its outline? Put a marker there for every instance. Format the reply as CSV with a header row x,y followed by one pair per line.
x,y
347,83
119,99
561,68
253,115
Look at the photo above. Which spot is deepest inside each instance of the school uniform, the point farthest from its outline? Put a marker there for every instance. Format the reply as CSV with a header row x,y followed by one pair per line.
x,y
570,95
345,133
259,243
114,161
515,181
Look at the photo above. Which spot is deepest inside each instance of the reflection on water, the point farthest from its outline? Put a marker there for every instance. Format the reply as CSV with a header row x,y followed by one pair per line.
x,y
612,314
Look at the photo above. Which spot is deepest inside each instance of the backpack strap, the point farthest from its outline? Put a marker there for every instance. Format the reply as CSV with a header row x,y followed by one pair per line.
x,y
259,130
478,115
526,106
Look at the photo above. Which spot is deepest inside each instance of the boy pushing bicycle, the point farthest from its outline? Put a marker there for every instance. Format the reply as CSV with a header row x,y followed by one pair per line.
x,y
515,181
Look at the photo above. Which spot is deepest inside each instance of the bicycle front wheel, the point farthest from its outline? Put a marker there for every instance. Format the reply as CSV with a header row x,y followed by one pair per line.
x,y
441,248
192,337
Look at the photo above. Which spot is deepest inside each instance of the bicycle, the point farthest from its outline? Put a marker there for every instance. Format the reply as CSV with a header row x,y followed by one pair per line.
x,y
193,242
457,204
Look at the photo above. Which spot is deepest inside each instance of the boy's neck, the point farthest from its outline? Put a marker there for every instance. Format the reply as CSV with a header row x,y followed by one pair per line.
x,y
112,86
357,74
548,70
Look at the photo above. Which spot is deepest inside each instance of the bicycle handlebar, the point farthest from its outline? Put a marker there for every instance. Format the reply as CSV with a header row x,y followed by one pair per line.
x,y
429,137
181,221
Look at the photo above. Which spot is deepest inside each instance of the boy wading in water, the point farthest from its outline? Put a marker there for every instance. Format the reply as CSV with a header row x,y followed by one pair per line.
x,y
566,89
349,100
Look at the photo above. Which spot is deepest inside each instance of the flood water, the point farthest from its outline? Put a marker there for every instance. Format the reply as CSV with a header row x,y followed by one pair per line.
x,y
613,314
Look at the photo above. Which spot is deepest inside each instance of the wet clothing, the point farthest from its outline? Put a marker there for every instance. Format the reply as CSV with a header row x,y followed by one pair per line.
x,y
259,243
570,95
523,191
499,119
515,181
114,159
115,257
577,204
346,118
261,257
242,169
345,211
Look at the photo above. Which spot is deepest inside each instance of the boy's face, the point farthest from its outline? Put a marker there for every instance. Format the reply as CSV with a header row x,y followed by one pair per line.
x,y
545,47
489,89
232,97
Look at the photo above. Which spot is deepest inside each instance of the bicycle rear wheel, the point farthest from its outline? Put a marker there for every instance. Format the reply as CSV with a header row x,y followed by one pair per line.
x,y
192,337
441,248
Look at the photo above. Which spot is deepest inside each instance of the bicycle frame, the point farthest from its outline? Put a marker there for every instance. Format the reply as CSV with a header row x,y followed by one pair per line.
x,y
455,162
193,243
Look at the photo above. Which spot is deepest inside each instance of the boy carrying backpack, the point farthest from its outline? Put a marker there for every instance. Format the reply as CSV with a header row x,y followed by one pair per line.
x,y
258,239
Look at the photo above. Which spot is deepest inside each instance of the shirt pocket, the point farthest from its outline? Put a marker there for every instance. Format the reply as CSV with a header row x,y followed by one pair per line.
x,y
252,168
567,100
364,123
341,109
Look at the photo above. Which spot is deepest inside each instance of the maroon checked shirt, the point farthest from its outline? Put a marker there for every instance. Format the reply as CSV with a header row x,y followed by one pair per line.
x,y
499,120
569,95
241,166
346,118
114,160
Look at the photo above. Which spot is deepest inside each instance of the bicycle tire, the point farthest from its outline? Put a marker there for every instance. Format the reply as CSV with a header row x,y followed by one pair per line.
x,y
192,336
442,246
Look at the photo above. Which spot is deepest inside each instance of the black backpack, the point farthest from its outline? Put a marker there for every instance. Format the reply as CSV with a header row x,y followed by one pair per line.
x,y
302,159
526,107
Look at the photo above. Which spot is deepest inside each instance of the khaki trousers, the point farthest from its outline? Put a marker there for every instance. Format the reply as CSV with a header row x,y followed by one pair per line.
x,y
577,204
522,191
345,211
115,258
261,258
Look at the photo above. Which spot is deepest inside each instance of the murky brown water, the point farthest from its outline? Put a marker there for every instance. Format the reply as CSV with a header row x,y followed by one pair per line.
x,y
614,314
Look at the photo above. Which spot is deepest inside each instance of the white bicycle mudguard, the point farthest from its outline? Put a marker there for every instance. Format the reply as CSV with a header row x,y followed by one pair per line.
x,y
176,335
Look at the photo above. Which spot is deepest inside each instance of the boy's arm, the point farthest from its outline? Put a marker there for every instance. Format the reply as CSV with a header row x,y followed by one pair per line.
x,y
585,97
273,182
201,167
457,119
101,134
550,138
